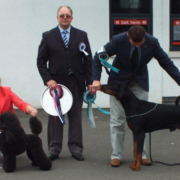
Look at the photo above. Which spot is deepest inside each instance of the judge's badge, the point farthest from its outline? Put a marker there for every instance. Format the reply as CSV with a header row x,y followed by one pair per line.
x,y
82,48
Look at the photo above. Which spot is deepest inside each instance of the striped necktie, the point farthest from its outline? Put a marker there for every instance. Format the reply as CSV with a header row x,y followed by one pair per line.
x,y
66,44
65,38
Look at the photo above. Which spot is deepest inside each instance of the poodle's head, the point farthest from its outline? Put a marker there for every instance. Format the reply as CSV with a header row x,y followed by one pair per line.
x,y
6,135
9,126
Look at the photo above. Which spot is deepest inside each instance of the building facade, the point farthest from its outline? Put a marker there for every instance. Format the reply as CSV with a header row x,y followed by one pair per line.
x,y
23,22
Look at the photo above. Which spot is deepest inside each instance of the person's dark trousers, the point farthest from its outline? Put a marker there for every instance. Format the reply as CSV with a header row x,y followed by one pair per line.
x,y
55,127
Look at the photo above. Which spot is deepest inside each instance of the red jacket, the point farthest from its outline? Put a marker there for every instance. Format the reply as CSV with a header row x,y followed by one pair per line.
x,y
8,98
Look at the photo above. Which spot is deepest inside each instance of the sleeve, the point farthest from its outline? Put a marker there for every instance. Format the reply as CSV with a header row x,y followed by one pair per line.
x,y
88,62
166,63
42,60
18,102
110,49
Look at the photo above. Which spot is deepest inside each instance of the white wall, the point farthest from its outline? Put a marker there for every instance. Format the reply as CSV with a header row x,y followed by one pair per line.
x,y
22,25
24,21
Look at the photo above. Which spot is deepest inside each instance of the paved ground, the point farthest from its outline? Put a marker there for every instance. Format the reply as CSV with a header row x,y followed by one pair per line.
x,y
97,150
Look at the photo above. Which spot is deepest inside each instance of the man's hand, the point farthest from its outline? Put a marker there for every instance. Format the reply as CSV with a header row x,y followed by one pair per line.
x,y
52,84
95,86
92,91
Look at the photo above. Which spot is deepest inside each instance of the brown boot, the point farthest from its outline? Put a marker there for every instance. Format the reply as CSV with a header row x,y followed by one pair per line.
x,y
115,163
146,162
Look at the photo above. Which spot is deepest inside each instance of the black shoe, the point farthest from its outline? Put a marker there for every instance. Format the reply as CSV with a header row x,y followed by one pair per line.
x,y
52,157
78,156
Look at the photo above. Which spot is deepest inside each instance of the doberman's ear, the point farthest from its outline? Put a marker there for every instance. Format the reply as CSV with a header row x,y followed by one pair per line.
x,y
119,88
120,93
115,85
118,85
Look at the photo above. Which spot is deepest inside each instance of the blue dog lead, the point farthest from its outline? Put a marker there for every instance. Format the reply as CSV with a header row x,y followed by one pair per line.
x,y
87,97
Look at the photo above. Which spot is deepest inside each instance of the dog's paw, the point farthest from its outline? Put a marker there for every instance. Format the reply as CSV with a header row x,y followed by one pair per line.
x,y
136,168
34,164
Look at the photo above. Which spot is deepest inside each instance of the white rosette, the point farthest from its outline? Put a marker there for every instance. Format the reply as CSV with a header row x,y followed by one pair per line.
x,y
82,48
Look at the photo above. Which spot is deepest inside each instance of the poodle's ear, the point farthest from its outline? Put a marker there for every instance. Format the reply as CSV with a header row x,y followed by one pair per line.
x,y
1,126
9,137
35,125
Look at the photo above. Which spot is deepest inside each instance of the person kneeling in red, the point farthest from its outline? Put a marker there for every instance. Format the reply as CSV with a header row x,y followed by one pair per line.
x,y
9,98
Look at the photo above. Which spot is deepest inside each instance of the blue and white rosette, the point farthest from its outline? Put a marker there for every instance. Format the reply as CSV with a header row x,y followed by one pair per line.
x,y
82,48
89,100
103,57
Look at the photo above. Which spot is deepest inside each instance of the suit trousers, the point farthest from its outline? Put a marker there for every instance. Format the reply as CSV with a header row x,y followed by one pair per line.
x,y
55,127
118,120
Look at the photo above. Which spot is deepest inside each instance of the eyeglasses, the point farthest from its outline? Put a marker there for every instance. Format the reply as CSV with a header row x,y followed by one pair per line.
x,y
65,16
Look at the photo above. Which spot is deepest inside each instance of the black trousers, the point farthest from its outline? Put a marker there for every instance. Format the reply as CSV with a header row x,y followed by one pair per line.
x,y
55,127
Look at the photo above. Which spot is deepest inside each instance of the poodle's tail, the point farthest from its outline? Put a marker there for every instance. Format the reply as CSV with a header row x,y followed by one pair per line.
x,y
35,125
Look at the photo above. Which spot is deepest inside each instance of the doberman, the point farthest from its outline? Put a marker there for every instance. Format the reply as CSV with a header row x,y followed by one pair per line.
x,y
143,117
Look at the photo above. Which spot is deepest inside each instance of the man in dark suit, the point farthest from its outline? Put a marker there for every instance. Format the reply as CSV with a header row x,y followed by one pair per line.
x,y
134,50
68,66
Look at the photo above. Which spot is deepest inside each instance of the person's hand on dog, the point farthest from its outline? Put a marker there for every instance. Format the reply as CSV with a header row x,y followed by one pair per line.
x,y
96,86
52,84
32,111
92,91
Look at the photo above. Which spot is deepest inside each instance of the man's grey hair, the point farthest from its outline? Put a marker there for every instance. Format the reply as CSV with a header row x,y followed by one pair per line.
x,y
65,6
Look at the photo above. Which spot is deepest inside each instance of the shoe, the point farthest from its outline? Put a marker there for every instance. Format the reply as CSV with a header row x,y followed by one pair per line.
x,y
78,156
146,162
52,157
115,163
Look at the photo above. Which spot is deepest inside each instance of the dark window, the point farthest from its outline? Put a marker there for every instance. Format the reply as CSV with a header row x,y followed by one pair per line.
x,y
174,25
125,13
130,6
175,6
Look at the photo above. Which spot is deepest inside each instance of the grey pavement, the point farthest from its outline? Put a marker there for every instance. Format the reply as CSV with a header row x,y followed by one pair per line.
x,y
97,150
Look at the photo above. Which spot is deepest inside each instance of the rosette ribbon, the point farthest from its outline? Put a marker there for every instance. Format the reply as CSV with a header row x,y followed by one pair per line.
x,y
57,94
103,57
89,100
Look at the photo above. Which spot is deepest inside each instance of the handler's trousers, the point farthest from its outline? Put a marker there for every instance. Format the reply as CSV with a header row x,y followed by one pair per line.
x,y
55,127
118,120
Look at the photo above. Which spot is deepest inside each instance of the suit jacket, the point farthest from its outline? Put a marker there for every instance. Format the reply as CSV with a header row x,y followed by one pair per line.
x,y
52,50
8,98
120,46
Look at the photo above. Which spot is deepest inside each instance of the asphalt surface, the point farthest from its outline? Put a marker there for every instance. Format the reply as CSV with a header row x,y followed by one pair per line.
x,y
97,150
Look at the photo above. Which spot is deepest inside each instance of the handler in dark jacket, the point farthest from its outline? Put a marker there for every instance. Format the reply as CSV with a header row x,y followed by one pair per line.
x,y
69,66
134,50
